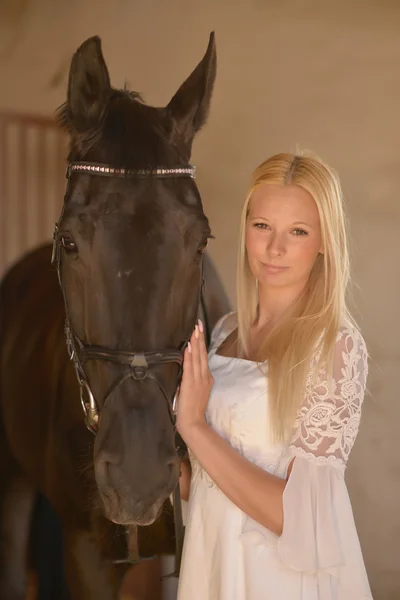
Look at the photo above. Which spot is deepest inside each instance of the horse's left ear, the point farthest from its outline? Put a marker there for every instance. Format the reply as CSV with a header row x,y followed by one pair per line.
x,y
89,87
189,107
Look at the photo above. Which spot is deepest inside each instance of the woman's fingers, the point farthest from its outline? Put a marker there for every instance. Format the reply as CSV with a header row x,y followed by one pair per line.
x,y
187,362
203,354
196,383
196,353
196,357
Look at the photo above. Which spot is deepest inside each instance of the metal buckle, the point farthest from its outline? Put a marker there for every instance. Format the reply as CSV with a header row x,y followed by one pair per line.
x,y
175,403
89,408
54,251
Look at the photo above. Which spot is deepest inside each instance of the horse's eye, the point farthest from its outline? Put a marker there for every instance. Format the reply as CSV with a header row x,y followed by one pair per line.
x,y
68,244
202,247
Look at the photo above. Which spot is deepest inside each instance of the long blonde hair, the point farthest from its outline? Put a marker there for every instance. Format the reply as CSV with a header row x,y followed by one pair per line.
x,y
310,326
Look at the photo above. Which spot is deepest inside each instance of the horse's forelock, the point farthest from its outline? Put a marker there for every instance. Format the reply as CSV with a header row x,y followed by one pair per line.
x,y
128,124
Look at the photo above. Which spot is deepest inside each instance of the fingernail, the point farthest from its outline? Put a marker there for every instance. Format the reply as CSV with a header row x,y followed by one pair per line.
x,y
201,326
196,332
189,346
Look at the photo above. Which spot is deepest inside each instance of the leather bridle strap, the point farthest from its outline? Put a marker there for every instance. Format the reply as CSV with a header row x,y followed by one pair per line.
x,y
139,364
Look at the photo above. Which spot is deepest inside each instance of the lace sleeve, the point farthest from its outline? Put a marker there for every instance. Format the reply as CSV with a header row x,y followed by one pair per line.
x,y
327,424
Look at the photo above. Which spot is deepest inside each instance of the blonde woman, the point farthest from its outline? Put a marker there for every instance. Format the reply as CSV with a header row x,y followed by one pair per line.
x,y
271,414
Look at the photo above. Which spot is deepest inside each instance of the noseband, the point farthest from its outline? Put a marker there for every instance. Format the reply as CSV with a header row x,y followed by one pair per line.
x,y
138,364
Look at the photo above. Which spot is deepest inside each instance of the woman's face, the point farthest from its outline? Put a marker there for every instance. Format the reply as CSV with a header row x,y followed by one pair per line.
x,y
283,235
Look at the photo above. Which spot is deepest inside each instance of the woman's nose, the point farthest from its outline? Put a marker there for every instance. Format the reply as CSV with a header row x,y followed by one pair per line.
x,y
276,246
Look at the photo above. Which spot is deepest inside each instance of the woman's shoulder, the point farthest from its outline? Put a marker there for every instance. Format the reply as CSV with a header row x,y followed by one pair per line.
x,y
349,336
349,346
224,326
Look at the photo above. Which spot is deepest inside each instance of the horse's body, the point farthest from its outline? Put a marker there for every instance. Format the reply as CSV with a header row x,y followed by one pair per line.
x,y
44,444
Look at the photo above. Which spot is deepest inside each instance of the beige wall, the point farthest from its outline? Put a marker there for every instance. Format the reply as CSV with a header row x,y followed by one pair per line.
x,y
321,75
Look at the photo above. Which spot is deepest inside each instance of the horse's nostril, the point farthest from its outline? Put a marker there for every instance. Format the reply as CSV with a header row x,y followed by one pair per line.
x,y
103,471
107,467
112,459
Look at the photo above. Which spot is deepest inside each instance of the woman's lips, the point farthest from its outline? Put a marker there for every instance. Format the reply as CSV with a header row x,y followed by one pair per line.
x,y
274,269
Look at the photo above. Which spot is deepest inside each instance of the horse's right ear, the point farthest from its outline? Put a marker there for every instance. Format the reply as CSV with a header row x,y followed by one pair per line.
x,y
189,107
89,87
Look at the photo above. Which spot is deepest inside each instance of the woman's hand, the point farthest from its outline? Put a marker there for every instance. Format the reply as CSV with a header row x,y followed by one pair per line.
x,y
196,384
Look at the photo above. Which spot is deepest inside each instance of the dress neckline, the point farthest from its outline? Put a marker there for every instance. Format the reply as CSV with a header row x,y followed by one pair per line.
x,y
237,358
221,341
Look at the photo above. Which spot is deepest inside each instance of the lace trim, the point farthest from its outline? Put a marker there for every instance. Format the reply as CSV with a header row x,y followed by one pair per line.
x,y
318,460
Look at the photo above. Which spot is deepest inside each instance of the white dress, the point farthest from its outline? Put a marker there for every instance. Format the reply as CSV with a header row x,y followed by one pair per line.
x,y
229,556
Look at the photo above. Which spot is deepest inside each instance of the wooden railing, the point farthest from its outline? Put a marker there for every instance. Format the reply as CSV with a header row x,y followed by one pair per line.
x,y
32,179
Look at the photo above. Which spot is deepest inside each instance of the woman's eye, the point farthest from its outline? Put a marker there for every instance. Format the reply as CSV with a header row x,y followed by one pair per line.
x,y
300,232
261,225
68,244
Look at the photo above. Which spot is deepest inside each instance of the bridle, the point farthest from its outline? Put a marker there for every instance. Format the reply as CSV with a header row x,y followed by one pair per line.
x,y
138,363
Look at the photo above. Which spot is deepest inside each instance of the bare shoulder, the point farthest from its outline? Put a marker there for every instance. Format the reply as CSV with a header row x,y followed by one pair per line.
x,y
230,322
225,326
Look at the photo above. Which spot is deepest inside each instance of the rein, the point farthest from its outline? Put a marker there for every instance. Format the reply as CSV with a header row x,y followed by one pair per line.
x,y
139,363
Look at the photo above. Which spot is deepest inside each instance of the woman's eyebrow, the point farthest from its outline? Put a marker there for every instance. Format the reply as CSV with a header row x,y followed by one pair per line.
x,y
294,222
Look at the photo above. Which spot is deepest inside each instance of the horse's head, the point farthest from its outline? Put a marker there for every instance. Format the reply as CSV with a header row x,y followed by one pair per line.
x,y
130,250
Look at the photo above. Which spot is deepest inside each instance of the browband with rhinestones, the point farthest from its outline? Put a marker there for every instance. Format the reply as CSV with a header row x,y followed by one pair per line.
x,y
99,169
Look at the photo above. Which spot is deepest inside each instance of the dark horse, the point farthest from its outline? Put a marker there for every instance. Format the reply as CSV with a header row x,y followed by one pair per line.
x,y
129,247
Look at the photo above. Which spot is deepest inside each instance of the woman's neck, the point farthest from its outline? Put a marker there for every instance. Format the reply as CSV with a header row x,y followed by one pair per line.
x,y
275,301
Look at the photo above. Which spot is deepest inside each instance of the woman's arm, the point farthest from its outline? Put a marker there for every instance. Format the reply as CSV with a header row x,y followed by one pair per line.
x,y
256,492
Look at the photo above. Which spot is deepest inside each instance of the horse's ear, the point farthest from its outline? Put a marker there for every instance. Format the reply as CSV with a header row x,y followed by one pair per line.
x,y
88,86
189,107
